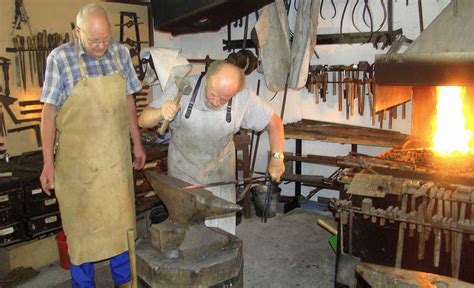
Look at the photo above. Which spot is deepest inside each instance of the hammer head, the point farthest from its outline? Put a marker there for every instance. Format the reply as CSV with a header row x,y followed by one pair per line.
x,y
183,85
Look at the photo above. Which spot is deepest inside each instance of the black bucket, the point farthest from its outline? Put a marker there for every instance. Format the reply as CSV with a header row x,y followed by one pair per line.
x,y
259,194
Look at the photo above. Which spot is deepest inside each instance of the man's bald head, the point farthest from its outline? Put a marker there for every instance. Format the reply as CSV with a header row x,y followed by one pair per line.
x,y
224,81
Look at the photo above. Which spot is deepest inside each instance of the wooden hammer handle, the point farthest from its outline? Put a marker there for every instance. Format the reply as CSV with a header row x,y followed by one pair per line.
x,y
327,227
165,124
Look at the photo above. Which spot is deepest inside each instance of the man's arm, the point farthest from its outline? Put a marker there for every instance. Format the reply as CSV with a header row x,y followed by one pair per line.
x,y
138,151
276,167
48,135
151,117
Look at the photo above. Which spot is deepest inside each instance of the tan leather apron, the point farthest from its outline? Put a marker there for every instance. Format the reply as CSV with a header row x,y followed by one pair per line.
x,y
93,178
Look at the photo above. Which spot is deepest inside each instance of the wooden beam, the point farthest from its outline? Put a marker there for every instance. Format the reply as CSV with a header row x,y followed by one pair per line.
x,y
340,133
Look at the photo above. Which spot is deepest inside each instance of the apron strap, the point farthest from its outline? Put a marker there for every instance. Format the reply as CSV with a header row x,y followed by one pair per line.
x,y
193,98
228,115
79,58
117,66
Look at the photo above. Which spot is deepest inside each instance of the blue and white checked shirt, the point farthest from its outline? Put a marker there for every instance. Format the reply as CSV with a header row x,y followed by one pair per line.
x,y
63,73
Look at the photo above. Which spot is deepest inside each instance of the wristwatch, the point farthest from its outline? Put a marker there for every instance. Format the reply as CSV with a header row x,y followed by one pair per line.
x,y
278,155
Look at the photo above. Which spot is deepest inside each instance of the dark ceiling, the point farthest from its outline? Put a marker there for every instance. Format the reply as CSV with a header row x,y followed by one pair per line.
x,y
196,16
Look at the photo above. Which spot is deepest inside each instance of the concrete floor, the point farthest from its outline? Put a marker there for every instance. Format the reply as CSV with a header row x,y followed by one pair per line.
x,y
290,250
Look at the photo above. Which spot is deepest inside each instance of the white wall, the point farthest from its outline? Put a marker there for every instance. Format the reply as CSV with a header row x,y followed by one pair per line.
x,y
300,104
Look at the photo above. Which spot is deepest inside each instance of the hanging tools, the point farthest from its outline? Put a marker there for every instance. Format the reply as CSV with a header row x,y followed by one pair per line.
x,y
17,63
31,59
21,42
20,17
5,63
321,10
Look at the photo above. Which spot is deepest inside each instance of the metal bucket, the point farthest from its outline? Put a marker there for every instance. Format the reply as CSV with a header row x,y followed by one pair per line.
x,y
259,193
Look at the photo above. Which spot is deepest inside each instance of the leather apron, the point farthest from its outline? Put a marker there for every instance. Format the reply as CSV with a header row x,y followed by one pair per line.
x,y
202,150
93,176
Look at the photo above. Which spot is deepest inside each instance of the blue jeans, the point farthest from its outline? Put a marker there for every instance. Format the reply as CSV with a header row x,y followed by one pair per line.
x,y
82,276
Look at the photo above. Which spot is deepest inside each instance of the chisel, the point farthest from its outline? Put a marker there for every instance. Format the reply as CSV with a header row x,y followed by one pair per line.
x,y
17,63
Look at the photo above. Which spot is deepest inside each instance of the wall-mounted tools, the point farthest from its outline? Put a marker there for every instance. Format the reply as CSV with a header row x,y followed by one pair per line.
x,y
349,83
36,47
134,45
354,87
5,65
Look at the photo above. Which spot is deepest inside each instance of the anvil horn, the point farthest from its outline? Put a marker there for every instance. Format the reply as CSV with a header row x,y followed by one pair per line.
x,y
187,206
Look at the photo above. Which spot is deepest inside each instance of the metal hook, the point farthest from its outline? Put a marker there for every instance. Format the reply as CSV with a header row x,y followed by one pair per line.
x,y
353,13
321,9
342,17
384,15
334,9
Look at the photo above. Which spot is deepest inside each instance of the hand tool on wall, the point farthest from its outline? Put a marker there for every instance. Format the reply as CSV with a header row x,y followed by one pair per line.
x,y
339,89
347,94
17,62
31,59
21,46
45,49
20,17
324,84
136,44
184,88
333,80
40,57
37,56
5,63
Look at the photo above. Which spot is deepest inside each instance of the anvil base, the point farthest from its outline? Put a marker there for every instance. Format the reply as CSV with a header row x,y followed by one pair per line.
x,y
221,267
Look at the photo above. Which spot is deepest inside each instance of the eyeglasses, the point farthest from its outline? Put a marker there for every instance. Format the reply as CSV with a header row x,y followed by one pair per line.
x,y
95,42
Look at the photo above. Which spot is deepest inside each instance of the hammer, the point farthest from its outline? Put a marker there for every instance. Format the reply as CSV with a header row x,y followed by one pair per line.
x,y
184,88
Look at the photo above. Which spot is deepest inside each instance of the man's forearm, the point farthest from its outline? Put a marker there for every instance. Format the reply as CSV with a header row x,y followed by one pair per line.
x,y
132,116
276,134
48,132
150,117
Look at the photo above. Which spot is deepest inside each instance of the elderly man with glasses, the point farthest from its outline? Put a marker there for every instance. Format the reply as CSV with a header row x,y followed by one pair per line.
x,y
89,113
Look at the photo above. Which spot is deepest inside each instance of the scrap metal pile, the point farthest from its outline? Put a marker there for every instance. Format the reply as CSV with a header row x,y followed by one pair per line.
x,y
409,209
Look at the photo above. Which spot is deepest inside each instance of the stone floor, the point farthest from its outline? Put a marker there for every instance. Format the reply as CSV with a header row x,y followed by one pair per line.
x,y
290,250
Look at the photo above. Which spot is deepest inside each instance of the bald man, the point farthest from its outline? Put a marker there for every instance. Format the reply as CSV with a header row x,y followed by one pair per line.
x,y
89,111
201,148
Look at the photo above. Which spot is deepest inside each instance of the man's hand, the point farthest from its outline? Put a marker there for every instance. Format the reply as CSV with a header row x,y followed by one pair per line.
x,y
276,168
47,179
139,157
169,110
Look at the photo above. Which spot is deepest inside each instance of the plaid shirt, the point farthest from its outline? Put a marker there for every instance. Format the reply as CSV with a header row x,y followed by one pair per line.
x,y
63,73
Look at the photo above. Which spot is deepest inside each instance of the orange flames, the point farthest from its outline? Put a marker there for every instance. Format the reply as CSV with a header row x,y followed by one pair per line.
x,y
451,133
